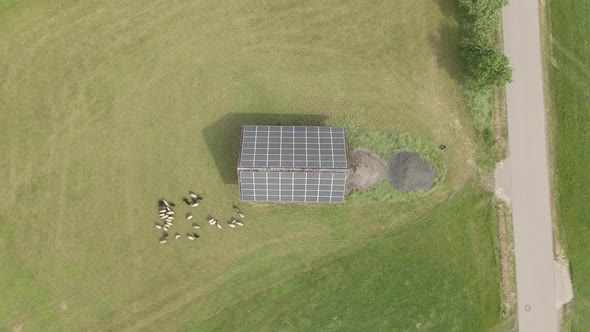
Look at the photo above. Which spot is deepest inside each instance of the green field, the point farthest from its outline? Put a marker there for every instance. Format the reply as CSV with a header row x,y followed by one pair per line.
x,y
108,106
569,87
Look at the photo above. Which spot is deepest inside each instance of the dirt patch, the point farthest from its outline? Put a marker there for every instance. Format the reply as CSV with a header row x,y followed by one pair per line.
x,y
409,172
366,170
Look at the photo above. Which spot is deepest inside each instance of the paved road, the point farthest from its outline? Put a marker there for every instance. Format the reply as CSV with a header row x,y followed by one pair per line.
x,y
533,239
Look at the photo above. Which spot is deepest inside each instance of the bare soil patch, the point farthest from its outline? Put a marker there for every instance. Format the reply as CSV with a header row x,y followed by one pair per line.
x,y
409,172
367,170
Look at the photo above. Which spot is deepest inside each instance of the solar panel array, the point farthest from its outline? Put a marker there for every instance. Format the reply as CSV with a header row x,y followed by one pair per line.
x,y
299,187
293,147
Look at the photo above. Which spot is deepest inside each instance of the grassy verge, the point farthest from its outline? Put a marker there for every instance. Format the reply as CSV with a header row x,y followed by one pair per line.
x,y
568,63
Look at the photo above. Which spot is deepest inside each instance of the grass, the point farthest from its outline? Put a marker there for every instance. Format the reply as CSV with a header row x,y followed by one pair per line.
x,y
426,284
108,106
569,83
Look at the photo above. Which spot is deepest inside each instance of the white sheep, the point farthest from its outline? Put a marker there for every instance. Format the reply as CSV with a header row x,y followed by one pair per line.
x,y
163,241
231,225
239,223
212,221
177,236
239,211
189,216
158,226
195,226
190,237
219,225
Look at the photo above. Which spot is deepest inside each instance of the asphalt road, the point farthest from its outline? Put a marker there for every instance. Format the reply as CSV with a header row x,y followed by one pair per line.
x,y
531,211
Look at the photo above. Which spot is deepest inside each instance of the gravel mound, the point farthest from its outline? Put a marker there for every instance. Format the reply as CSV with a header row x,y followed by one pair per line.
x,y
366,170
409,172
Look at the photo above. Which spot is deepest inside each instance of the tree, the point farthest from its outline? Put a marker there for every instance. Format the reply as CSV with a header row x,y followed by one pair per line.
x,y
485,66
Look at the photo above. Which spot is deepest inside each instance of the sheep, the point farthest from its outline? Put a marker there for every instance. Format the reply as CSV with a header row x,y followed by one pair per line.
x,y
170,212
195,204
163,241
177,236
219,225
165,202
192,194
163,211
189,216
158,226
190,237
239,212
166,227
195,226
231,225
163,217
239,223
212,221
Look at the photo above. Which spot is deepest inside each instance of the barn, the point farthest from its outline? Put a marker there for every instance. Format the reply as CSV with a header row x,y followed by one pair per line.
x,y
293,164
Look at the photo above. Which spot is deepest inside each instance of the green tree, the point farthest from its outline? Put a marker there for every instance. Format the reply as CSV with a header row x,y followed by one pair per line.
x,y
485,66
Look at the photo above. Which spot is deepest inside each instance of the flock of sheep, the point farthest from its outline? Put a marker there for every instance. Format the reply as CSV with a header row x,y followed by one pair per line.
x,y
167,216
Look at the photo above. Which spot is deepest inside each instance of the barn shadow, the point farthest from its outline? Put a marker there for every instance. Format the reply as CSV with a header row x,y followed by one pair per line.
x,y
223,136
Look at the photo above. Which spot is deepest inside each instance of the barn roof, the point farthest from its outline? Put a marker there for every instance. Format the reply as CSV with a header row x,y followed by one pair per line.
x,y
293,147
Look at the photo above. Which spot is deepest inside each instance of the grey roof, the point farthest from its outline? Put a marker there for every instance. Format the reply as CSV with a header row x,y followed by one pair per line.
x,y
298,187
293,147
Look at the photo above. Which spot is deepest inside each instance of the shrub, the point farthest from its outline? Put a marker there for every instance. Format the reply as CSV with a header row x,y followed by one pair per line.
x,y
486,66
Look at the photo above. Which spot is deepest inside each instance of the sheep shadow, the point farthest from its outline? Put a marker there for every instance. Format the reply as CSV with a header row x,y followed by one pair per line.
x,y
223,136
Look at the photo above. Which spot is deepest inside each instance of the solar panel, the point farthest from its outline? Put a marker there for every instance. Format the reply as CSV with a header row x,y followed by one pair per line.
x,y
293,147
295,187
293,164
